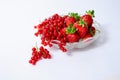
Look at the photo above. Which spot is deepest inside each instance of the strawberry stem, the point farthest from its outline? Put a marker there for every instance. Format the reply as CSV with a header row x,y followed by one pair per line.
x,y
70,29
75,15
81,22
91,13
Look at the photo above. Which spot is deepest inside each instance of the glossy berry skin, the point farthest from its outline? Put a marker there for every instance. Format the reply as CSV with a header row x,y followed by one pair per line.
x,y
81,29
33,49
73,37
88,35
87,19
69,20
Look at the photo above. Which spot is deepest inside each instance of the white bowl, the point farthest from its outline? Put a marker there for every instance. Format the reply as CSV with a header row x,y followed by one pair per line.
x,y
83,43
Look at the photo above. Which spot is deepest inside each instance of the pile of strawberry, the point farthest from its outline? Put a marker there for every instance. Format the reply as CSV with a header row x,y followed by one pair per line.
x,y
66,29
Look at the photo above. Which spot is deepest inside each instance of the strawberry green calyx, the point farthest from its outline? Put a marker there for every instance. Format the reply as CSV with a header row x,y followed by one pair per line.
x,y
75,15
70,29
91,32
81,22
91,13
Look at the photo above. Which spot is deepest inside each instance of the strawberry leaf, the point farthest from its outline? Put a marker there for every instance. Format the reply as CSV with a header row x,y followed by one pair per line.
x,y
81,22
92,32
91,12
75,15
70,29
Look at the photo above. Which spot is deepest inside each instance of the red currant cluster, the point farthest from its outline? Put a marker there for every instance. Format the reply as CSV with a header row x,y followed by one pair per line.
x,y
50,29
38,54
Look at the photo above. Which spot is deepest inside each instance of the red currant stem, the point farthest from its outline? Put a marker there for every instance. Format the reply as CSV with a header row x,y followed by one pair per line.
x,y
36,47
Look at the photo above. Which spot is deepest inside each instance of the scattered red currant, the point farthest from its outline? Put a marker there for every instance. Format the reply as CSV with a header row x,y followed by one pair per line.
x,y
50,29
38,54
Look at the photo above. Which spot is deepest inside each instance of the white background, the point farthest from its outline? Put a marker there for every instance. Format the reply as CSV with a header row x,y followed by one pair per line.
x,y
99,61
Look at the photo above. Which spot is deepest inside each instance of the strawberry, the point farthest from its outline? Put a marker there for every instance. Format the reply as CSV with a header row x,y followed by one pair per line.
x,y
81,27
92,30
88,35
72,36
70,29
75,15
88,18
71,18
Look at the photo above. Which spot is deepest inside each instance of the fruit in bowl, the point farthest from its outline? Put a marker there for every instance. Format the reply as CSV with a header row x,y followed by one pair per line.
x,y
85,41
68,31
65,32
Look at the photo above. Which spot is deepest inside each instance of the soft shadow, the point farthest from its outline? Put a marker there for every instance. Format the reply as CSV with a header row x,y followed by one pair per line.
x,y
102,40
113,77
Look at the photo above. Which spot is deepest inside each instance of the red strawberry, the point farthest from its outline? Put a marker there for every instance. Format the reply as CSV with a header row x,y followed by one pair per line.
x,y
73,37
92,30
71,18
88,35
88,18
81,27
75,15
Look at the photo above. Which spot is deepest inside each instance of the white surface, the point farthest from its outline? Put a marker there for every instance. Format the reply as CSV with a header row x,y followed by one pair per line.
x,y
99,61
